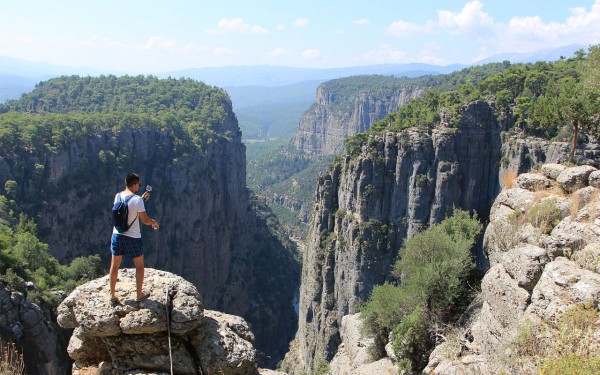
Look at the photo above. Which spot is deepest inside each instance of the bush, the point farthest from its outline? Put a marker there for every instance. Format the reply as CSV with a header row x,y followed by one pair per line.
x,y
433,268
435,263
411,339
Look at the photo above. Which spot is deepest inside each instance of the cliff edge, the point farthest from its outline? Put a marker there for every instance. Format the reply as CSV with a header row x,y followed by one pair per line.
x,y
170,328
541,295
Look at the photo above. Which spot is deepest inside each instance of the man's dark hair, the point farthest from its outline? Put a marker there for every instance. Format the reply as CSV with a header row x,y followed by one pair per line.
x,y
131,179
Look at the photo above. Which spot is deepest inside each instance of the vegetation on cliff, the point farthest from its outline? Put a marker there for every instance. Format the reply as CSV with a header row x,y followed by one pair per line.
x,y
433,269
28,267
554,100
67,109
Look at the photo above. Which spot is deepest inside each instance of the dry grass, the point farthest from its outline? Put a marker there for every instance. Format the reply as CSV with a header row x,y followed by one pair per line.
x,y
575,205
11,361
554,191
550,346
508,179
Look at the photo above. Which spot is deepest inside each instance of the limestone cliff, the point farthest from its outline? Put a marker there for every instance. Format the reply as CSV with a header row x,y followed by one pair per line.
x,y
341,110
169,331
543,242
209,232
366,205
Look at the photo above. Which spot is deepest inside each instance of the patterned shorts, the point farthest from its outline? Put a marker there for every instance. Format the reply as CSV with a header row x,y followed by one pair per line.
x,y
127,246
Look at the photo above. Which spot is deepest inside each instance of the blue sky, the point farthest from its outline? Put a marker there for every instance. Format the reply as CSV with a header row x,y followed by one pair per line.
x,y
154,36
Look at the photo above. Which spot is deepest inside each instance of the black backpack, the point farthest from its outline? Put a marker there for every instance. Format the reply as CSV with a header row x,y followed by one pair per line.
x,y
120,212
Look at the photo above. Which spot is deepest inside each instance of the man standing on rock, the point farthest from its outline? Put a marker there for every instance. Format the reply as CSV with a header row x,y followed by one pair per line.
x,y
129,242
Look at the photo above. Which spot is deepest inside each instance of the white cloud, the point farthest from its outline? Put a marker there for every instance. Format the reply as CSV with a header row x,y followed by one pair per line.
x,y
363,21
237,25
476,29
384,54
222,51
157,42
404,29
301,22
280,26
471,19
311,53
280,52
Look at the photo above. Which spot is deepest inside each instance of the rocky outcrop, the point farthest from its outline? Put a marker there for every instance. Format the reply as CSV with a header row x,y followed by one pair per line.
x,y
24,323
353,356
170,329
336,115
367,205
543,244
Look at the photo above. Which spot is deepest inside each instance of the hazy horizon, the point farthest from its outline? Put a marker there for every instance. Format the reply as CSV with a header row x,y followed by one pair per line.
x,y
145,37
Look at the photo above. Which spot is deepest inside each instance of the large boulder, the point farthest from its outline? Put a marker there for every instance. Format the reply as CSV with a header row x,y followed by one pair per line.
x,y
169,329
574,178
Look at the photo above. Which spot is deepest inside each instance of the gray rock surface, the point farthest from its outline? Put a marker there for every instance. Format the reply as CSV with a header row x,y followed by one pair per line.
x,y
533,181
367,205
552,170
574,178
336,116
594,179
533,281
353,356
170,327
25,324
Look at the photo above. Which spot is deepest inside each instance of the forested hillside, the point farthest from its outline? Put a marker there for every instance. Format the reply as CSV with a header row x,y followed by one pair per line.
x,y
66,147
553,100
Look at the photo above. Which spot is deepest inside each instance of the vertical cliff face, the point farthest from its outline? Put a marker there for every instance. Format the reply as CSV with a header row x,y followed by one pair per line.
x,y
367,205
209,233
335,116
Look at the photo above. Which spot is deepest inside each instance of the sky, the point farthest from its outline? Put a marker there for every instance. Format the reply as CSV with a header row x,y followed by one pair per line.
x,y
152,36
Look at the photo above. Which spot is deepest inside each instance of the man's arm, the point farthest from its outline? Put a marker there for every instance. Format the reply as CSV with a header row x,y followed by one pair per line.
x,y
145,219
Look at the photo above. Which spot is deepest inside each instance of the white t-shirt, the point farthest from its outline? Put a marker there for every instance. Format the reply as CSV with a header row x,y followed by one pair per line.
x,y
135,206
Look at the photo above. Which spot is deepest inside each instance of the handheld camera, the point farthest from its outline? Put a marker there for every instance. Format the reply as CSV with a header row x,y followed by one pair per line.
x,y
148,188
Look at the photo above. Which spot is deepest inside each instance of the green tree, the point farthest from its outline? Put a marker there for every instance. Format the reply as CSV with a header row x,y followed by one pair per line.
x,y
433,269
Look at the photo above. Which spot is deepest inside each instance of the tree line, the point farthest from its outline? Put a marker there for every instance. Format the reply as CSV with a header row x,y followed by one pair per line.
x,y
557,100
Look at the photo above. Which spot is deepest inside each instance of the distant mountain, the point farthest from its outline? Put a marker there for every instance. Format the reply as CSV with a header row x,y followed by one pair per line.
x,y
267,112
549,54
12,87
265,75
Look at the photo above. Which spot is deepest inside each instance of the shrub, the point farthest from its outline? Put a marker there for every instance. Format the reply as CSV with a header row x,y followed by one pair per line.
x,y
411,339
433,268
544,216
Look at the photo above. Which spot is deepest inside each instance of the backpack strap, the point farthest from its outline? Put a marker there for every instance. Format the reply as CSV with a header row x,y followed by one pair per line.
x,y
127,202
